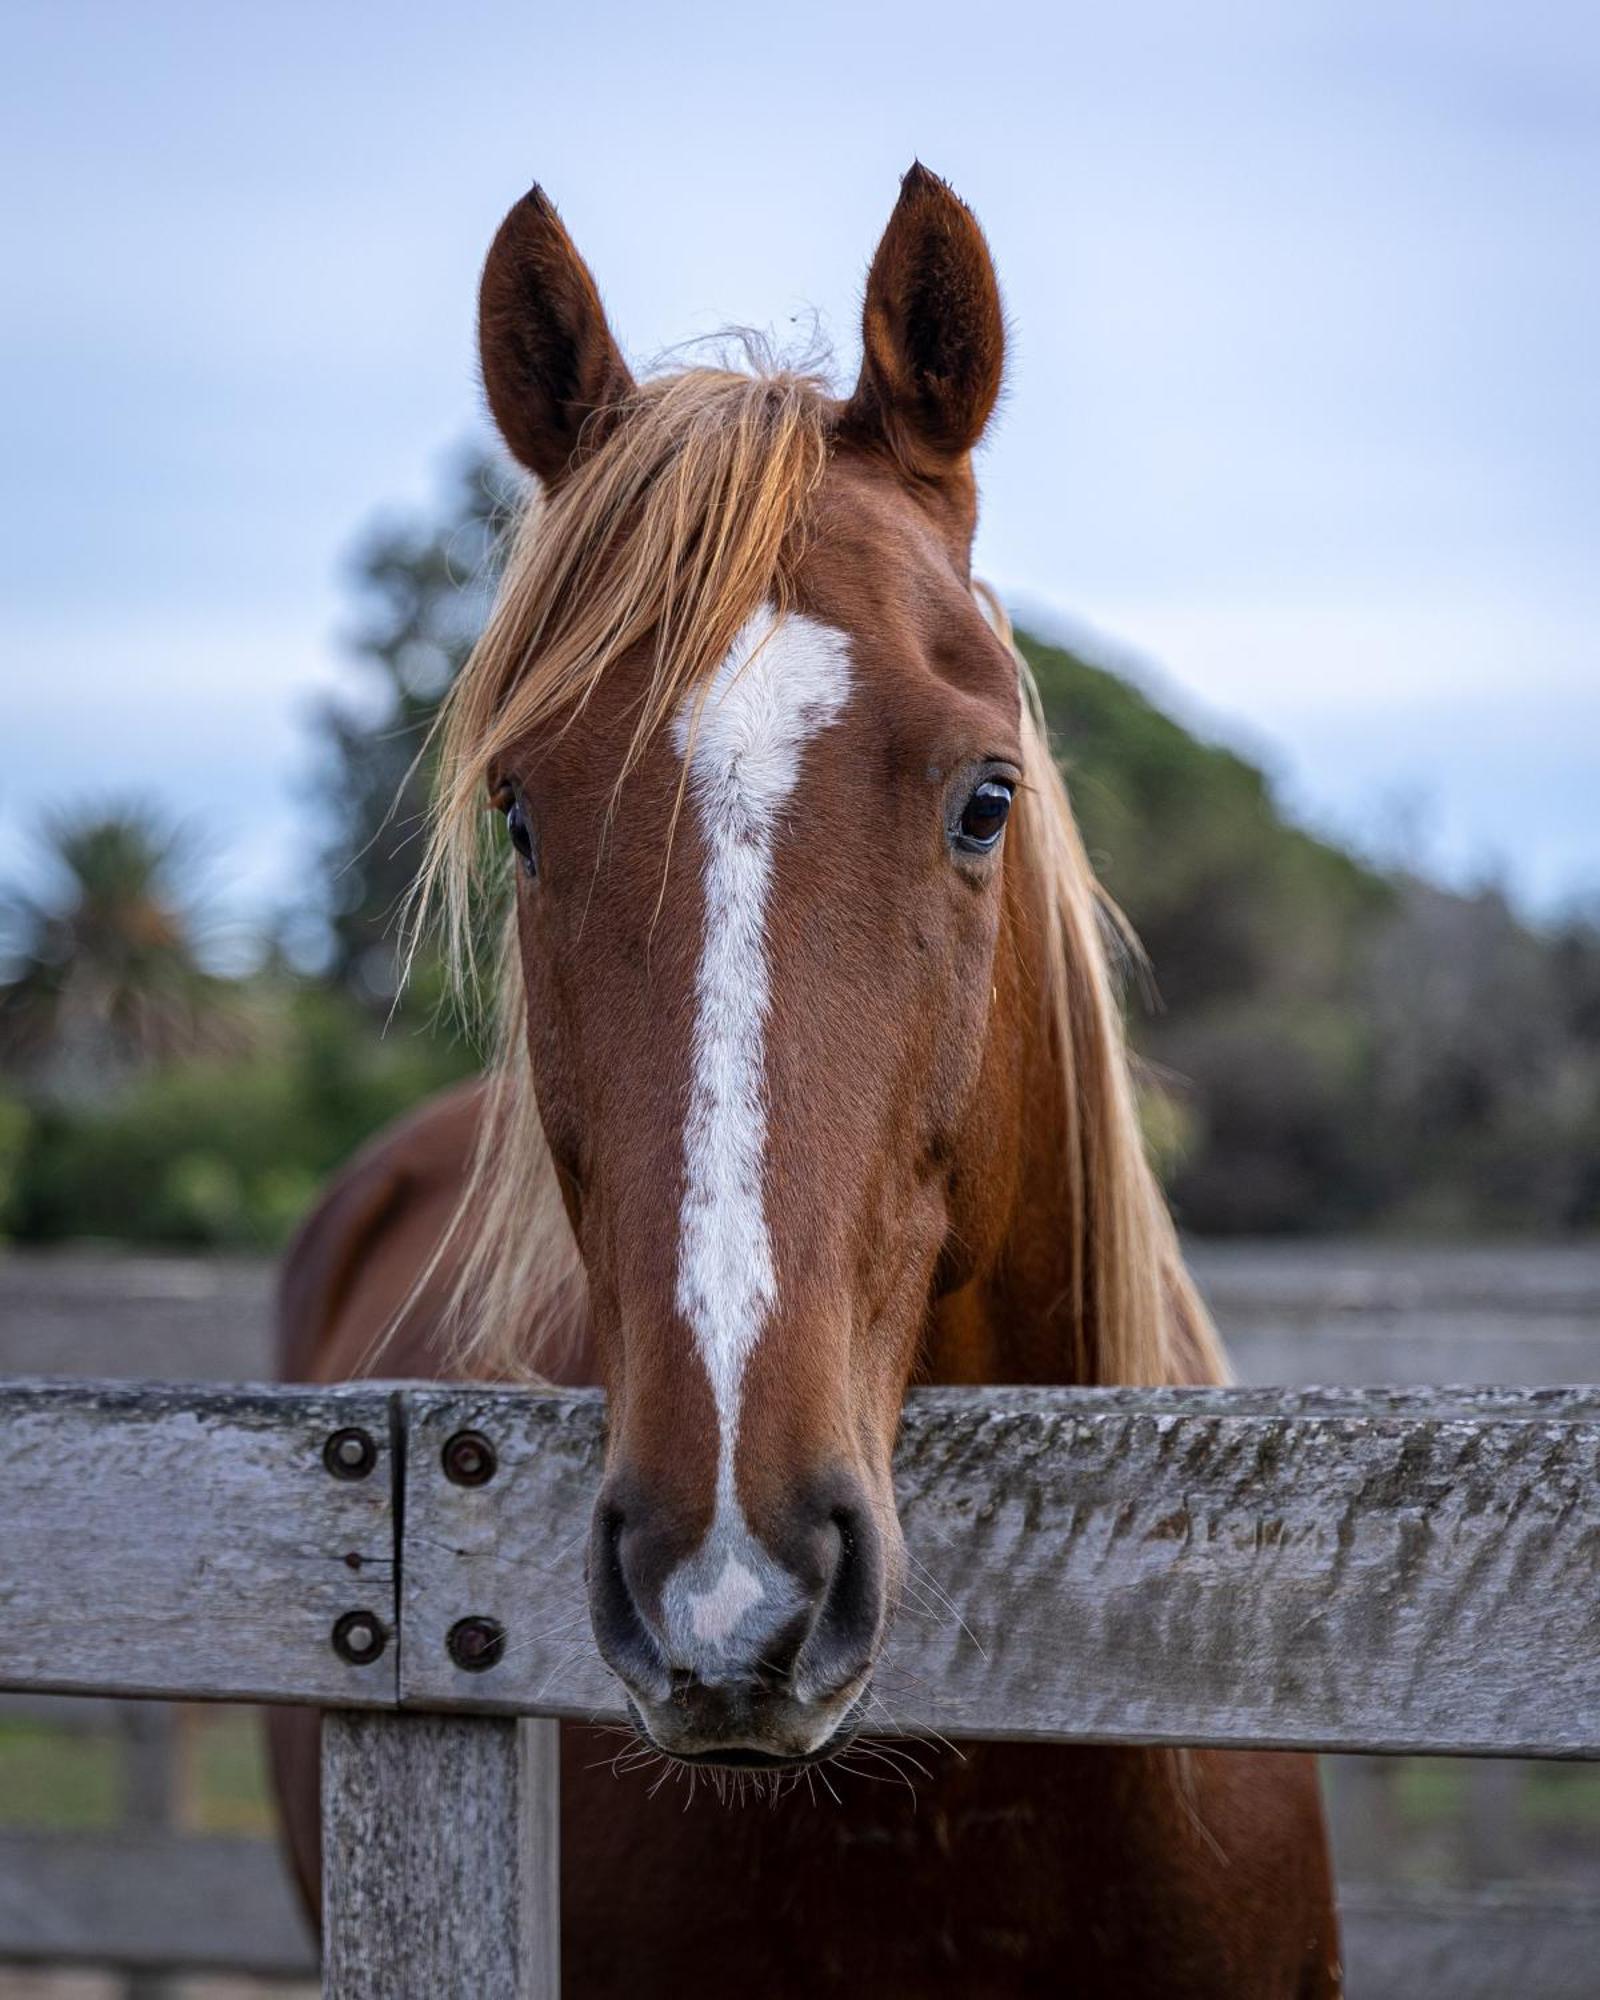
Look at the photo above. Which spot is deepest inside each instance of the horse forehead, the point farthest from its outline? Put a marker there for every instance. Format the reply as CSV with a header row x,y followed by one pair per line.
x,y
865,504
879,569
783,681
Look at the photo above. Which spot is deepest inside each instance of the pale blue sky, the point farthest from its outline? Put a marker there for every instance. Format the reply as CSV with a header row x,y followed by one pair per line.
x,y
1303,418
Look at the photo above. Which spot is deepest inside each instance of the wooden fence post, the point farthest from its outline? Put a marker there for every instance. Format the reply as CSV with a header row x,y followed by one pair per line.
x,y
149,1801
440,1861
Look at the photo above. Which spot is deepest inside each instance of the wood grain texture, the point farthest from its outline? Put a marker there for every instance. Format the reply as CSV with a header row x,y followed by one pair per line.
x,y
158,1902
190,1542
440,1872
511,1550
1381,1569
1394,1570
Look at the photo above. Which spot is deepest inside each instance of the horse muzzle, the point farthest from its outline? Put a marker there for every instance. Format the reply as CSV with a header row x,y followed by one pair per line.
x,y
744,1650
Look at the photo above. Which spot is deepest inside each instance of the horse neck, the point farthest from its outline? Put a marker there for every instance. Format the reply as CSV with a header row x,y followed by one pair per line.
x,y
1017,1320
1032,1312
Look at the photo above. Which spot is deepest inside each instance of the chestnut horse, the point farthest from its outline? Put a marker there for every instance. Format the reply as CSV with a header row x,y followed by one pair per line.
x,y
812,1080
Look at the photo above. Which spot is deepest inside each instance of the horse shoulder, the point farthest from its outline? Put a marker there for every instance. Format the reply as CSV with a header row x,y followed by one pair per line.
x,y
362,1284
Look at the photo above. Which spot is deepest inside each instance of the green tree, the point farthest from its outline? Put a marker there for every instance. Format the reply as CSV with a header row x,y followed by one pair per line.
x,y
424,588
102,971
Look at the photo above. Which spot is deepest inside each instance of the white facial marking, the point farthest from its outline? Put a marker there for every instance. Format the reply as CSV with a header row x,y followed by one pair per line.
x,y
715,1612
782,682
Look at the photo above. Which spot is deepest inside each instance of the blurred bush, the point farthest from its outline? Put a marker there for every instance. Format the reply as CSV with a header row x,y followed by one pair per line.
x,y
1341,1047
225,1154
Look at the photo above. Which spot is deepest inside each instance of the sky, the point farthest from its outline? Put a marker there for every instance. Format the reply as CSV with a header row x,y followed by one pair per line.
x,y
1302,424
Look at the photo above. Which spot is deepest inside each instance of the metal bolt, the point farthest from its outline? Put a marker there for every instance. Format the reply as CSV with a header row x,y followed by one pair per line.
x,y
469,1459
359,1637
350,1454
477,1644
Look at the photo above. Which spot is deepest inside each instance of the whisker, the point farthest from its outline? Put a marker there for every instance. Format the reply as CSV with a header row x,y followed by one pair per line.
x,y
846,1762
949,1603
893,1755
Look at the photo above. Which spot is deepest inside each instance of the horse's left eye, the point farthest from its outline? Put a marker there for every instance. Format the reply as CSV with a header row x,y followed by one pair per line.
x,y
983,818
521,835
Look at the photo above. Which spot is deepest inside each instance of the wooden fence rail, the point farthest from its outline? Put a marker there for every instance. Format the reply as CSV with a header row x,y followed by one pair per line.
x,y
1344,1570
1394,1570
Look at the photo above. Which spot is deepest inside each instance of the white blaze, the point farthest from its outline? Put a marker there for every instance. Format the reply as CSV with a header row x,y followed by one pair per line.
x,y
782,682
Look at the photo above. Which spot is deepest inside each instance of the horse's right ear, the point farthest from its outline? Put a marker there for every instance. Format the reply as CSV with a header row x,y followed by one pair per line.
x,y
551,368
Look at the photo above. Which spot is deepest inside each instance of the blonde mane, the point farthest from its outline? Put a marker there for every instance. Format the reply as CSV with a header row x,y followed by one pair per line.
x,y
690,516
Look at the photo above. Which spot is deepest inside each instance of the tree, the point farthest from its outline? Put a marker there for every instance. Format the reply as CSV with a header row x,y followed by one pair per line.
x,y
425,588
102,974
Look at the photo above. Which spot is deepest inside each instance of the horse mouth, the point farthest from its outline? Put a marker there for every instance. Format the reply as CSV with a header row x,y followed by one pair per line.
x,y
739,1758
748,1757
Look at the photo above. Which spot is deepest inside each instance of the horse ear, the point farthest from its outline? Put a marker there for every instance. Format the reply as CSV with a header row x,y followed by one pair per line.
x,y
551,368
933,334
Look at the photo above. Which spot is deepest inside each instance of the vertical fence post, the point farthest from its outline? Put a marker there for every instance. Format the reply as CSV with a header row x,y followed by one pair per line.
x,y
440,1865
149,1801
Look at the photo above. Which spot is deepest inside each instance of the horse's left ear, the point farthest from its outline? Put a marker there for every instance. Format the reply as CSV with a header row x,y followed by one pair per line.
x,y
933,334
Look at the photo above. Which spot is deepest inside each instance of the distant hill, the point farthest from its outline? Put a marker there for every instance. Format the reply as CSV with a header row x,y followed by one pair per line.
x,y
1336,1047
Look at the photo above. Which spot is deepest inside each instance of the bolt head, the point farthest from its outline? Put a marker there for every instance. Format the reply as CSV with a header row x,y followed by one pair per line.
x,y
359,1637
469,1459
476,1644
350,1453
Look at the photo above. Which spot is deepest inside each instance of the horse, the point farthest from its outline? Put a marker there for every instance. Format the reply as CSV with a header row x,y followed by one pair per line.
x,y
811,1080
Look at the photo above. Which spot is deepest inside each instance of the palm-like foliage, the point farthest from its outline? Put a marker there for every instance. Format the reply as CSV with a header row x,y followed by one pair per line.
x,y
104,975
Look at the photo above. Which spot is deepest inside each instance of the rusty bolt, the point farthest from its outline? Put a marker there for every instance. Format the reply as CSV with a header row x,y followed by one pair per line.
x,y
359,1637
477,1644
469,1459
350,1454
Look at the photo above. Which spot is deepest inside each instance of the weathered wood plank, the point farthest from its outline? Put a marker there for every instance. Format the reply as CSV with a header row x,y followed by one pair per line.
x,y
105,1315
1380,1569
1387,1570
1483,1945
185,1904
1381,1312
1371,1274
158,1902
1411,1346
440,1865
192,1543
1339,1311
511,1551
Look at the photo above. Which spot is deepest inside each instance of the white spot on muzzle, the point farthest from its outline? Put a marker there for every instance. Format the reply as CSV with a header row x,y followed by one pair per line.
x,y
715,1613
782,682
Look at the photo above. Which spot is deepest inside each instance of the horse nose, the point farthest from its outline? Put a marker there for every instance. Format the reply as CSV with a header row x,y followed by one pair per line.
x,y
794,1615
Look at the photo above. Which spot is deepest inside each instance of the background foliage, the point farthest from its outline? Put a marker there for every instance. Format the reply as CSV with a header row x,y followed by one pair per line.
x,y
1336,1046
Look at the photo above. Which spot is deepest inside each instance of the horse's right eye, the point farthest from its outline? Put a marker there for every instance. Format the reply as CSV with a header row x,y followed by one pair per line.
x,y
521,835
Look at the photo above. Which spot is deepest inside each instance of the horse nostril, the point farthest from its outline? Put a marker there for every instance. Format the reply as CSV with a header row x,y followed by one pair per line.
x,y
627,1643
844,1634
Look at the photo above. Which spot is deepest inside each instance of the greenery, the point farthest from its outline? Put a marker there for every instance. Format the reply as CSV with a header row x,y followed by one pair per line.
x,y
71,1781
424,591
103,975
1337,1046
227,1153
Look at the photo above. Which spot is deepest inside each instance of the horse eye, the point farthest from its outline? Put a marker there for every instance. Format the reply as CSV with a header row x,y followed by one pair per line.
x,y
983,818
521,837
